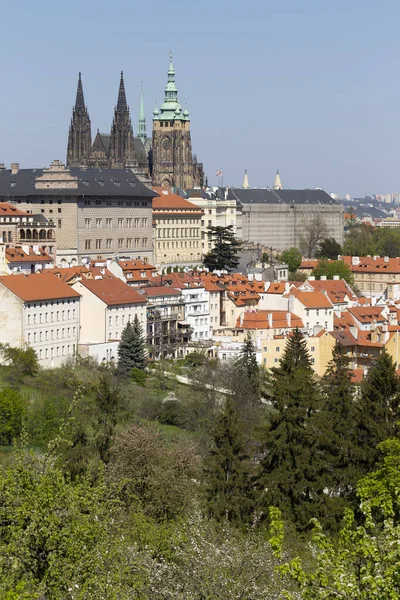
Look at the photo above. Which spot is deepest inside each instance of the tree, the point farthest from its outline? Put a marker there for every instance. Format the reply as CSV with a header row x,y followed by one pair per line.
x,y
339,413
292,257
228,469
378,408
108,402
248,365
328,248
12,413
22,362
224,254
293,468
314,231
131,349
330,268
359,241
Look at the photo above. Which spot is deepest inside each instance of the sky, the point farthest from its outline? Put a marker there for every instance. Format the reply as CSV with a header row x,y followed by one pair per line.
x,y
311,87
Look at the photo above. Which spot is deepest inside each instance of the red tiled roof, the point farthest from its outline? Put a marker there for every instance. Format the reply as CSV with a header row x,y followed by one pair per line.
x,y
311,299
31,288
18,255
260,320
367,314
172,201
7,209
276,288
66,273
367,264
160,290
113,291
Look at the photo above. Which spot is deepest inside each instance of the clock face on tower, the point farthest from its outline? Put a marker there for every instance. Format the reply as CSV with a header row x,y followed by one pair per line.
x,y
166,144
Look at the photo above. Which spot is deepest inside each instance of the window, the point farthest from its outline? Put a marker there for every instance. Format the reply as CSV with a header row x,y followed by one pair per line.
x,y
120,223
129,243
108,223
87,244
312,361
276,360
312,348
120,242
277,349
144,222
317,312
87,223
98,223
29,319
59,223
108,244
137,242
129,222
98,244
137,222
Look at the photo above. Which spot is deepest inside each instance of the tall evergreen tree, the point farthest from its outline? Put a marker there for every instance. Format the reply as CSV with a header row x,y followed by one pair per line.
x,y
292,468
248,366
228,469
131,349
224,254
340,443
108,402
378,408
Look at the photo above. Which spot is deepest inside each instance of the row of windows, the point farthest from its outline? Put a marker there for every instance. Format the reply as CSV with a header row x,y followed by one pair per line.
x,y
51,334
51,317
276,360
121,223
123,317
186,244
51,302
109,202
121,243
179,221
166,233
327,312
57,351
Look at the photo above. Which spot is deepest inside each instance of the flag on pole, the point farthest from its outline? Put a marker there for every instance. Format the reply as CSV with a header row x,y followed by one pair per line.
x,y
219,173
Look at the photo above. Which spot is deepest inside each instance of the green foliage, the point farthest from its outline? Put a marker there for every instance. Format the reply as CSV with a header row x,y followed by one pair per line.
x,y
230,493
224,254
328,248
138,376
292,257
334,267
22,363
364,240
12,413
293,467
378,409
108,404
248,366
131,349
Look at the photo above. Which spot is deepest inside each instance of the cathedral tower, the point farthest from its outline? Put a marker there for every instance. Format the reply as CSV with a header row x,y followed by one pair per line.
x,y
122,151
173,163
79,137
141,131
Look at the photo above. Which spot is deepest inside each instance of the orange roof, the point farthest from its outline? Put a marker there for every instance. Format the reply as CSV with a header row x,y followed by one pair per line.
x,y
311,299
370,264
261,319
367,314
18,255
308,264
276,288
172,201
160,290
113,291
357,375
31,288
7,209
67,273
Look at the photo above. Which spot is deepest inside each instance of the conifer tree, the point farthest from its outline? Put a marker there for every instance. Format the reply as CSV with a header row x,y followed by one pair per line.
x,y
378,408
247,363
224,254
108,403
131,349
228,469
292,468
339,412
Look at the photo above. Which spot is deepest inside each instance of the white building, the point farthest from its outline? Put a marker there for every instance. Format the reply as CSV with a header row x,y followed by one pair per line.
x,y
197,303
40,311
106,307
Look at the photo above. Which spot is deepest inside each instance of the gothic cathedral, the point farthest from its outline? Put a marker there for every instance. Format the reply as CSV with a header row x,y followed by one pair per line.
x,y
166,159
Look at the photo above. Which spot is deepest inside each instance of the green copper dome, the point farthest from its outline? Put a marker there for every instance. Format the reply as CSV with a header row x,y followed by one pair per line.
x,y
170,109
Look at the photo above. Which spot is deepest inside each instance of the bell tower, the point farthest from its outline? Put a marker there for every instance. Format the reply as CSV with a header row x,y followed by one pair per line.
x,y
80,136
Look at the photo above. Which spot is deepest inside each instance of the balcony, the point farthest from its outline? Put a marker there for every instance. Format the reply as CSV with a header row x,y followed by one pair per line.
x,y
158,315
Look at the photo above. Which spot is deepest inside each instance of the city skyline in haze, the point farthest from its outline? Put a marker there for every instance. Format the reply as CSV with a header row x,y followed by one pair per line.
x,y
306,86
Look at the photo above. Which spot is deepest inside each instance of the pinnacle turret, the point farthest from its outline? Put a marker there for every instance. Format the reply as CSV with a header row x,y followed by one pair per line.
x,y
246,184
80,100
141,131
122,105
278,183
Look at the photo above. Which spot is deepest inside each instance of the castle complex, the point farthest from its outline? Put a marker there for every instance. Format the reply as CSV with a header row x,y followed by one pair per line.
x,y
166,159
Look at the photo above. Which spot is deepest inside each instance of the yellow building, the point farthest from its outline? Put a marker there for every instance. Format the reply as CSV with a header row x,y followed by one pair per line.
x,y
319,346
177,230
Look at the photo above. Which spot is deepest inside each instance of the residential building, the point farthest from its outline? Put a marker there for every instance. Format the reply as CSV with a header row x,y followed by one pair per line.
x,y
167,331
98,213
375,276
314,308
23,259
21,227
40,312
107,306
177,230
135,273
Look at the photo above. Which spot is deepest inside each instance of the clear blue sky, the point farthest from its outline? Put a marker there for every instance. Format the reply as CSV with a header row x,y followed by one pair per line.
x,y
309,86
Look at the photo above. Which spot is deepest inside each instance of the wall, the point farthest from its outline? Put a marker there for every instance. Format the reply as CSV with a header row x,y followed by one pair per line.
x,y
11,315
93,316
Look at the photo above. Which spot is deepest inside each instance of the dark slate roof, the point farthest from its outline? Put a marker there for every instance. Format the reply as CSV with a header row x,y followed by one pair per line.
x,y
91,182
106,139
270,196
141,155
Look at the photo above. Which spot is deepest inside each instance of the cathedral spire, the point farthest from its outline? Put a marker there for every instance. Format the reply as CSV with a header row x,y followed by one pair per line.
x,y
278,183
171,93
80,101
141,131
122,105
246,184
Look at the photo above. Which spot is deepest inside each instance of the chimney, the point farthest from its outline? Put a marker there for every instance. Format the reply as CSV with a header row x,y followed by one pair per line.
x,y
270,320
336,278
311,278
323,278
355,260
14,168
287,286
108,262
241,318
386,259
289,319
354,332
